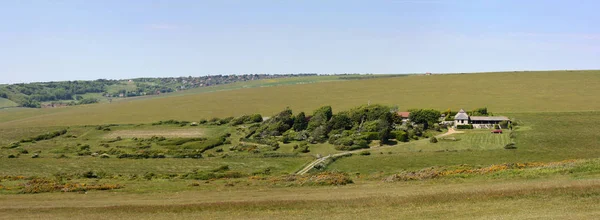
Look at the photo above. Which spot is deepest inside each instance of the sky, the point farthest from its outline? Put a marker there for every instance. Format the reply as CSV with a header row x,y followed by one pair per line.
x,y
91,39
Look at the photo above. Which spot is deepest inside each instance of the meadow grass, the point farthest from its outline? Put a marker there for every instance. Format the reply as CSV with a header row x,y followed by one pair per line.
x,y
548,198
552,108
552,91
7,103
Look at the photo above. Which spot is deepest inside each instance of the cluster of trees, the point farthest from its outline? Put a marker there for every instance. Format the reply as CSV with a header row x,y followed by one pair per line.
x,y
32,94
348,130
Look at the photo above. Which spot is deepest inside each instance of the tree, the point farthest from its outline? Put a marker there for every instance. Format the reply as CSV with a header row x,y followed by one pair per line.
x,y
480,112
424,116
320,117
300,122
340,121
383,129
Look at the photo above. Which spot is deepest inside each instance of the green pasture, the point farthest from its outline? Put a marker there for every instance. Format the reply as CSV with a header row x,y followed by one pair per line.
x,y
515,92
4,103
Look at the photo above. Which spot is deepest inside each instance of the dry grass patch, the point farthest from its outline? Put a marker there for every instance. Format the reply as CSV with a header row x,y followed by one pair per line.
x,y
170,132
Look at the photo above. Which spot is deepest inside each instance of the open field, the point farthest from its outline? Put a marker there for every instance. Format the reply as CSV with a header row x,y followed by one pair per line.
x,y
553,173
555,197
554,91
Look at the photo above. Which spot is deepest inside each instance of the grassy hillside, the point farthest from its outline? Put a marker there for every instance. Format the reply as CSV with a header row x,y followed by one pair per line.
x,y
555,91
553,172
7,103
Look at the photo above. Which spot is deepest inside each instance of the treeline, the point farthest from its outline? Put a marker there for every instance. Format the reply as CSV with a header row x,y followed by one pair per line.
x,y
347,130
32,94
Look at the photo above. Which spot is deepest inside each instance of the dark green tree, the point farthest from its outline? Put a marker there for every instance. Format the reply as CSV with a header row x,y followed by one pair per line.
x,y
424,116
300,122
320,117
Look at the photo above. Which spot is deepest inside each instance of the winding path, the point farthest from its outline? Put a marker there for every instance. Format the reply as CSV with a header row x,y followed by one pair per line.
x,y
322,159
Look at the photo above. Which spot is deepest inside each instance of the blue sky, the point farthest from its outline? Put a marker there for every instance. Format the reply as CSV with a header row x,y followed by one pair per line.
x,y
73,40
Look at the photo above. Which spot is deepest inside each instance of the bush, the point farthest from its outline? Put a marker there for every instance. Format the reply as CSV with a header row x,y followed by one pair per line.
x,y
46,136
510,146
401,136
433,140
302,148
365,153
370,136
464,126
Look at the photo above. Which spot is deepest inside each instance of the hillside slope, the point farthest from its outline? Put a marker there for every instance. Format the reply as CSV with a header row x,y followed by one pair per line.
x,y
551,91
7,103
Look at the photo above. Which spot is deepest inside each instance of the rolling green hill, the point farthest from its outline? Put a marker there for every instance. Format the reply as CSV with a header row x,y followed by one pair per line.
x,y
7,103
551,91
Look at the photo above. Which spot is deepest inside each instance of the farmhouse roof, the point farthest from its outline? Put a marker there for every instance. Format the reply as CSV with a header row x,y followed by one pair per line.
x,y
461,115
489,118
404,114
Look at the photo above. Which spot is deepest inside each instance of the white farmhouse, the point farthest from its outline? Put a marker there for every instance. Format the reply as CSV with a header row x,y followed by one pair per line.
x,y
461,118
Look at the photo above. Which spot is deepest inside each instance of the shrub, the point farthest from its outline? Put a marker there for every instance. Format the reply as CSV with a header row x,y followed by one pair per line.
x,y
370,136
302,148
89,174
433,140
510,146
401,136
365,153
84,147
46,136
464,126
225,120
221,168
193,155
14,145
320,179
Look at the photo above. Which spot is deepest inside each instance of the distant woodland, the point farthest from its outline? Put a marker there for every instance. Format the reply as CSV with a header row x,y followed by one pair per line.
x,y
33,95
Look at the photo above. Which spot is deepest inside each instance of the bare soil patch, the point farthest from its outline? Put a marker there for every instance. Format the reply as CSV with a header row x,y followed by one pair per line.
x,y
183,133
